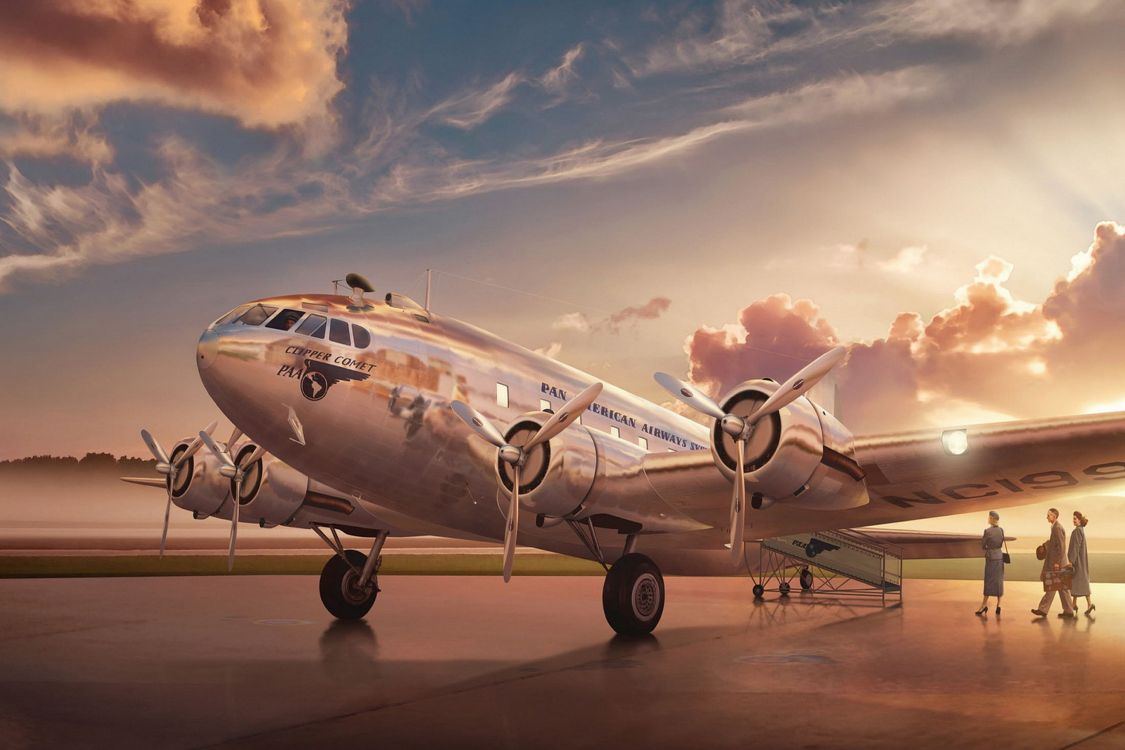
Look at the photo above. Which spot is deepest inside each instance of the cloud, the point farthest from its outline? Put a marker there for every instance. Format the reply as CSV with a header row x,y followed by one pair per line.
x,y
559,77
551,350
267,63
859,257
650,310
987,356
572,322
613,323
469,109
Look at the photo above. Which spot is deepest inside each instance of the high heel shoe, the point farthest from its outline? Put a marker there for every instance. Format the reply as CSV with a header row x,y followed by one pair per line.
x,y
981,612
997,611
1090,609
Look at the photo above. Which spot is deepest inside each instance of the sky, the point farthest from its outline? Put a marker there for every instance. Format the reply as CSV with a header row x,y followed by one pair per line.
x,y
719,190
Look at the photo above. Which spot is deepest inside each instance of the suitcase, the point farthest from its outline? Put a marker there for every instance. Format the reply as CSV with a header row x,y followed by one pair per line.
x,y
1058,580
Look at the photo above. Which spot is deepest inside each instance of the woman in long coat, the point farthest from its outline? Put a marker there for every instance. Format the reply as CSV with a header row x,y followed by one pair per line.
x,y
1076,554
992,542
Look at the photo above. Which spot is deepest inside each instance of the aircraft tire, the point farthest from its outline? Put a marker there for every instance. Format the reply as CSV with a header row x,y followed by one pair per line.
x,y
338,590
783,589
633,595
759,590
806,579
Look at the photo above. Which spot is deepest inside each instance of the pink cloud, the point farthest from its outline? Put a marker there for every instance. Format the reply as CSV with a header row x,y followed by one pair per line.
x,y
988,352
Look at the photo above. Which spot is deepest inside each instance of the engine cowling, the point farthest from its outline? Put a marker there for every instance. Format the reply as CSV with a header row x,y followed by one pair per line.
x,y
272,490
199,486
558,474
800,455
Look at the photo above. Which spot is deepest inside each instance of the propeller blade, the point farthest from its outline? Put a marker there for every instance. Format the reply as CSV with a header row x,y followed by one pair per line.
x,y
194,446
689,395
513,523
234,521
738,504
167,513
478,423
564,416
249,461
235,435
799,384
154,447
219,453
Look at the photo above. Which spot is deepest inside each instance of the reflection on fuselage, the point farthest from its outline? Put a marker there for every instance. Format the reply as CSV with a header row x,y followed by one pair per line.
x,y
373,401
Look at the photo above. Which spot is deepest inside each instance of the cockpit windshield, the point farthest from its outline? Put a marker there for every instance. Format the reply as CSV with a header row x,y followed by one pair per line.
x,y
285,320
256,315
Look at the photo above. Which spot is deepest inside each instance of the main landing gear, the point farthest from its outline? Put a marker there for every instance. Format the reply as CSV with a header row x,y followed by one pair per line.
x,y
349,582
633,595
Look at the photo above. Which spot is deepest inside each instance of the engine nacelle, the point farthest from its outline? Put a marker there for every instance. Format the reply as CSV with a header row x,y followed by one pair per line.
x,y
557,475
272,490
800,455
199,487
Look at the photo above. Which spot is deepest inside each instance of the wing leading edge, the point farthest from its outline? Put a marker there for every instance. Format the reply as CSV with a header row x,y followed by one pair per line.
x,y
912,476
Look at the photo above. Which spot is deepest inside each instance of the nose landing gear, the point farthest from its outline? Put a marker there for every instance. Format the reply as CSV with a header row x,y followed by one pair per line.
x,y
633,595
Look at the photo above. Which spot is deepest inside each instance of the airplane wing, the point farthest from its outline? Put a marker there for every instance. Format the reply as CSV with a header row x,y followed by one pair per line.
x,y
927,545
911,476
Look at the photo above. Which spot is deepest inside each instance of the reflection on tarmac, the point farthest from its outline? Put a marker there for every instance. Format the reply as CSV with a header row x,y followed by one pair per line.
x,y
468,662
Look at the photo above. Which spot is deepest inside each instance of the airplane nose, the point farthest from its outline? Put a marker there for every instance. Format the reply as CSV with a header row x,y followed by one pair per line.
x,y
207,350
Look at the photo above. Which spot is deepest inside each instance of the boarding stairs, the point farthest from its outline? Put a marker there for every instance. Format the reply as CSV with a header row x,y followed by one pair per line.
x,y
837,563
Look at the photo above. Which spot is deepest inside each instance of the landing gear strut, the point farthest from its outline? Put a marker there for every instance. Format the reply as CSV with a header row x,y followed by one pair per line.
x,y
349,581
340,589
633,595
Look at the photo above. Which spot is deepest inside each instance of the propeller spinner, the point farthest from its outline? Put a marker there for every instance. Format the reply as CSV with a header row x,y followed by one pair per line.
x,y
740,428
516,456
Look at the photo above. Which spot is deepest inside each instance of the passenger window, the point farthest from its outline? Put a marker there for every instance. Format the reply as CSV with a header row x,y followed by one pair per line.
x,y
502,395
257,315
643,442
544,405
616,432
361,336
338,332
285,320
314,326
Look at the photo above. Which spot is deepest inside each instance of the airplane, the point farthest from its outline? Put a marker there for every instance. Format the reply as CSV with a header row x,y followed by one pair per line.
x,y
373,417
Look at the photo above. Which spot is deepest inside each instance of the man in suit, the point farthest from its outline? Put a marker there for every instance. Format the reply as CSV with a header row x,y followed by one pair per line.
x,y
1054,560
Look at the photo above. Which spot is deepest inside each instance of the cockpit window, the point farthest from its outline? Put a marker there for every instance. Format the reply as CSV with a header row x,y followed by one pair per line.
x,y
314,326
232,315
361,336
257,315
285,320
338,332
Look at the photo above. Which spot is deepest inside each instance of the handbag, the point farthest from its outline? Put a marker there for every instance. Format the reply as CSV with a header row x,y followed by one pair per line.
x,y
1006,557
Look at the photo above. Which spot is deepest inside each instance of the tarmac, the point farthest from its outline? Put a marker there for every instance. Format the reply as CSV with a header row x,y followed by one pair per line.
x,y
469,662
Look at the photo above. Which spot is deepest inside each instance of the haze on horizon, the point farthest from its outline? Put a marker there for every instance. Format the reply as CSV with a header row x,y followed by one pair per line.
x,y
717,189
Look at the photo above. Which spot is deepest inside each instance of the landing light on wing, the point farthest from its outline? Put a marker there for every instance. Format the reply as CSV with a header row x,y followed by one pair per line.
x,y
955,442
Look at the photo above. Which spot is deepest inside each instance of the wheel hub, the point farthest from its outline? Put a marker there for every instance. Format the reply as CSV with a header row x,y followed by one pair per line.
x,y
353,592
646,596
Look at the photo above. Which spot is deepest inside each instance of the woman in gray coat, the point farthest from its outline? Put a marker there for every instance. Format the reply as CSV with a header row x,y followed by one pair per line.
x,y
992,542
1076,554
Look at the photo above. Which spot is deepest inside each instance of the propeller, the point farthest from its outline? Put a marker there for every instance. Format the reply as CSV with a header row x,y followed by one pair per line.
x,y
516,456
235,472
171,470
740,429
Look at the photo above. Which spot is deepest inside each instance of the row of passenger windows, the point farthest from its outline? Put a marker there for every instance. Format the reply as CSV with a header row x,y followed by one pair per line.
x,y
306,324
545,405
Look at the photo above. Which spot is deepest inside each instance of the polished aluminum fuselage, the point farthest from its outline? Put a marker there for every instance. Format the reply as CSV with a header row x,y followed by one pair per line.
x,y
390,441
